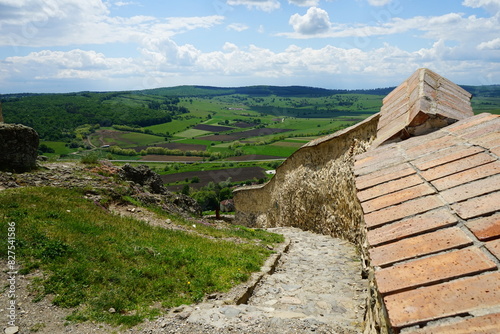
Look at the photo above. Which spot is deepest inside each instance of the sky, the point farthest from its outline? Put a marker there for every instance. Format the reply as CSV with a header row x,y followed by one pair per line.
x,y
57,46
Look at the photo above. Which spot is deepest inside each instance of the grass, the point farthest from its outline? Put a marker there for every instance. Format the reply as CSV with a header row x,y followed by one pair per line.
x,y
93,261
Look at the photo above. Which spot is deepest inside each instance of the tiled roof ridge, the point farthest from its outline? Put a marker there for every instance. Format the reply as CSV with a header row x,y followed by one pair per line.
x,y
432,215
423,102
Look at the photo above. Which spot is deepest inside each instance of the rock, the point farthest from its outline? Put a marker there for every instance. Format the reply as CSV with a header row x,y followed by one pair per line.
x,y
112,310
12,330
18,147
227,205
144,176
230,312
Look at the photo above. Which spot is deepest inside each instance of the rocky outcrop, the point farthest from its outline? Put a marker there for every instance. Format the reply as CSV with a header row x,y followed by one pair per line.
x,y
143,176
18,147
159,195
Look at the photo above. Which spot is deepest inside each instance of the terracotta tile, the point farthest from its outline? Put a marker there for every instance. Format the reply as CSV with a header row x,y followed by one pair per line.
x,y
487,324
445,156
373,156
398,110
485,228
397,197
389,187
403,210
381,163
487,140
432,269
494,247
443,300
492,126
470,122
401,89
457,166
496,151
467,176
424,244
388,174
418,142
431,146
472,189
426,222
454,111
478,206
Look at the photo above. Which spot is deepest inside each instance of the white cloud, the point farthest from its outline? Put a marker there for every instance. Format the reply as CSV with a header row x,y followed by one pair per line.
x,y
44,23
166,63
264,5
493,5
379,2
125,3
304,3
315,21
239,27
494,44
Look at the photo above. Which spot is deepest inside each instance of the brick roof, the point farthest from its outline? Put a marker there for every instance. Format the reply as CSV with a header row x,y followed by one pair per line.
x,y
432,210
422,101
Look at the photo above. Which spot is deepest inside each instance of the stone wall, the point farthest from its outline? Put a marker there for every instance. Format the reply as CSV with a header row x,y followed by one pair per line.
x,y
18,147
315,190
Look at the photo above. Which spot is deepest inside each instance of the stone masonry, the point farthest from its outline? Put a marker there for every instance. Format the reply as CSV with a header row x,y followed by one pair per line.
x,y
416,188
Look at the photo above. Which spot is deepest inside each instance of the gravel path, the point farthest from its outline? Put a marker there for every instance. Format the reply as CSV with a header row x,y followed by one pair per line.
x,y
315,288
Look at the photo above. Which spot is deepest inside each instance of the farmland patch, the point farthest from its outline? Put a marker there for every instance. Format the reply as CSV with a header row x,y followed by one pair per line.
x,y
236,175
191,133
251,157
170,158
176,146
287,144
212,128
243,125
245,134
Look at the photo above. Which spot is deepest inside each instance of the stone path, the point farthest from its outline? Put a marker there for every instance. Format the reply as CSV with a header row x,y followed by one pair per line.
x,y
315,287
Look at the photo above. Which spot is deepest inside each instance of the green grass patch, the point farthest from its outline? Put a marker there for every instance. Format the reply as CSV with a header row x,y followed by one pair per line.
x,y
191,133
269,150
95,261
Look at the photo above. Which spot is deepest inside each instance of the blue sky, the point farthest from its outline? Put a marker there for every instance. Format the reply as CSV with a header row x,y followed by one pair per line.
x,y
98,45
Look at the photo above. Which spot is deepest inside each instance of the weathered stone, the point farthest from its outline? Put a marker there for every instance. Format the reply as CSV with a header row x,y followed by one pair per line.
x,y
144,176
18,147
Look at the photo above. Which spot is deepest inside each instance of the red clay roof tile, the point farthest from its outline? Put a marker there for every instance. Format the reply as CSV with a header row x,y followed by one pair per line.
x,y
397,197
389,187
457,166
436,268
472,189
405,228
447,299
406,209
468,175
494,247
485,228
478,206
486,324
424,244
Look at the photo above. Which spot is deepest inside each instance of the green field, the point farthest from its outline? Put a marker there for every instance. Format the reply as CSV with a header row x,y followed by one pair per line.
x,y
157,117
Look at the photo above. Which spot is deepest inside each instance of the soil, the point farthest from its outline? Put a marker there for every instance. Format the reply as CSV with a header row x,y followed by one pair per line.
x,y
170,158
244,134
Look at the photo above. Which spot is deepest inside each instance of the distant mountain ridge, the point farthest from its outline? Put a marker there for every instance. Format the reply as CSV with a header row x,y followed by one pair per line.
x,y
263,90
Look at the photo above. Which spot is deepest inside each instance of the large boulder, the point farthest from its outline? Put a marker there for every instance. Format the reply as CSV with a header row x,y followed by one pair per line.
x,y
144,176
18,147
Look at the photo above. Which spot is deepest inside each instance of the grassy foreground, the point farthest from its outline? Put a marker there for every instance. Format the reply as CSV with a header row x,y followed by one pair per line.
x,y
94,261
